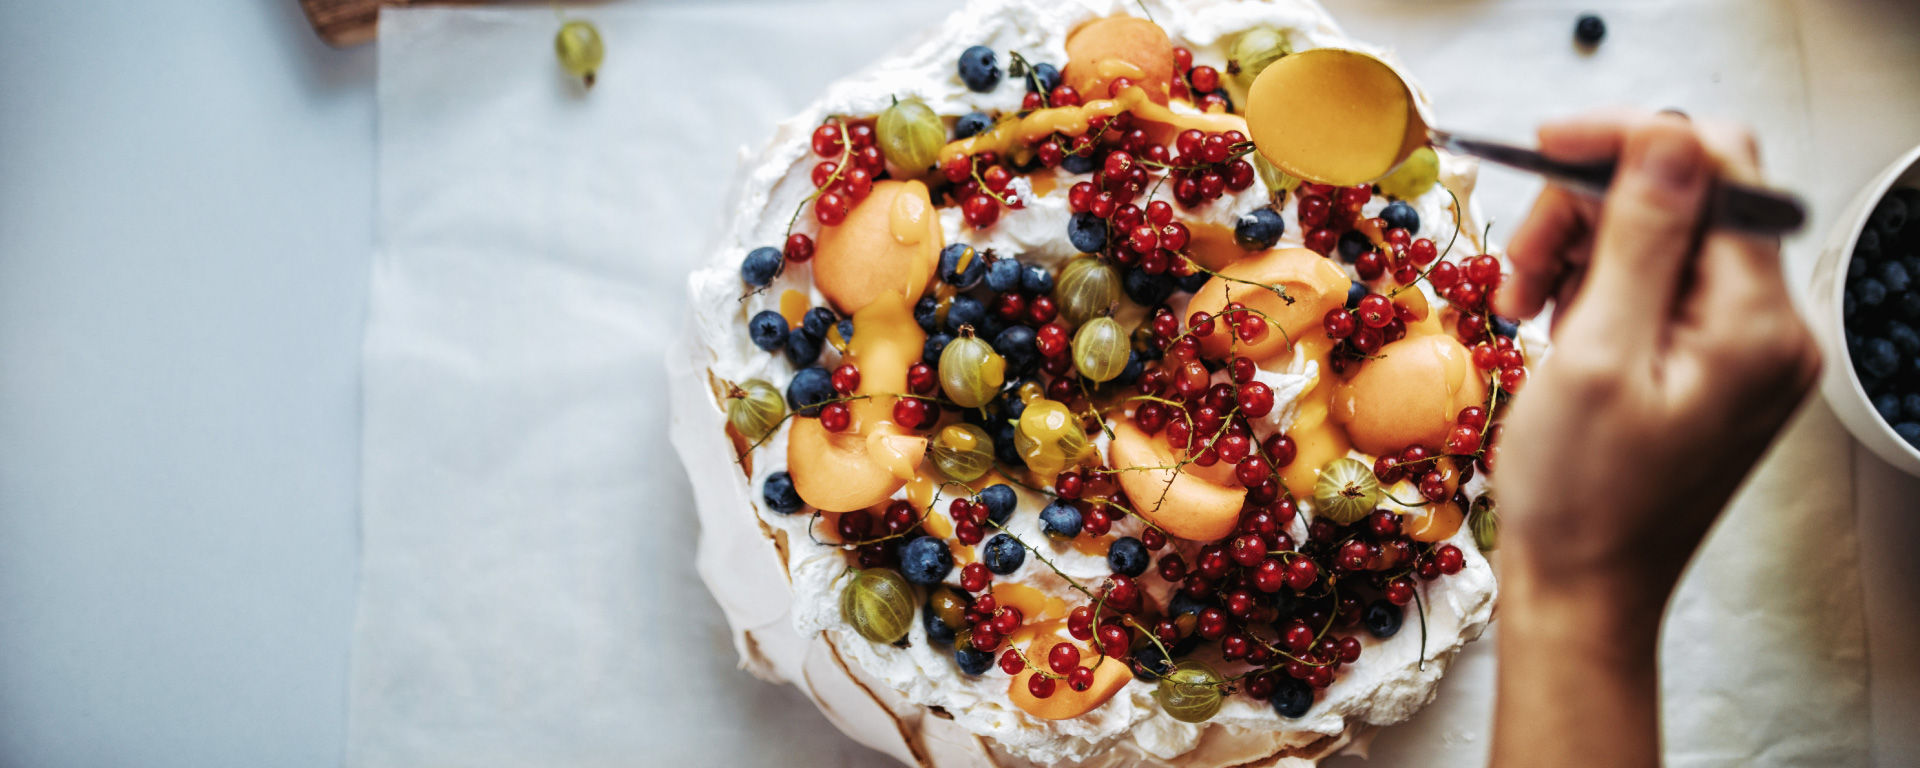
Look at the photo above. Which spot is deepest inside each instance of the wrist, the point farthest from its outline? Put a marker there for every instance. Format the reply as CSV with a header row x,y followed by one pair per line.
x,y
1610,611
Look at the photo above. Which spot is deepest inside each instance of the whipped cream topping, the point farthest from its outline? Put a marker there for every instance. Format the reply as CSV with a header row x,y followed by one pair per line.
x,y
1393,678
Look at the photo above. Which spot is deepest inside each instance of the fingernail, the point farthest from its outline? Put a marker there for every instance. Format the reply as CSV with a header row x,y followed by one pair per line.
x,y
1671,158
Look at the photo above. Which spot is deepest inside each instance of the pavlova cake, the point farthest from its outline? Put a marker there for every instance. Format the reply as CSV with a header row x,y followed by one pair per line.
x,y
1036,419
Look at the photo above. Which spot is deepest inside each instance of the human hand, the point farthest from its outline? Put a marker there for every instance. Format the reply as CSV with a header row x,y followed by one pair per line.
x,y
1677,358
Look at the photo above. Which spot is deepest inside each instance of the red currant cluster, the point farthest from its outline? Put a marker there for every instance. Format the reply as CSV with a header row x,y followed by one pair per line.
x,y
1326,212
853,162
875,541
837,416
1210,422
980,184
970,520
1503,360
1202,80
1360,332
1208,165
1105,623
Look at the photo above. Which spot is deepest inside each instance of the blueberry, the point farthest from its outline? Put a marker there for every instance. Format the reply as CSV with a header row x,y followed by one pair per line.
x,y
1871,292
1003,275
1848,305
761,266
972,661
925,561
1136,365
810,387
1087,232
1077,164
1259,229
1146,290
1127,555
1382,618
816,322
846,329
1505,327
1399,215
1589,29
1035,279
1890,216
1910,406
1004,554
802,349
779,494
1046,76
965,311
1352,244
962,277
978,69
1014,406
1908,305
1292,698
1060,520
1887,404
937,343
1879,358
937,631
1150,663
1185,603
1000,501
1903,337
925,313
1004,448
1017,345
1191,283
1856,268
971,124
1908,431
1868,246
1355,292
1894,275
769,330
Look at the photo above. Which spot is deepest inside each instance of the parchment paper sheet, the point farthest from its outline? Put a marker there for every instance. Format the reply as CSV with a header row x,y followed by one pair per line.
x,y
528,591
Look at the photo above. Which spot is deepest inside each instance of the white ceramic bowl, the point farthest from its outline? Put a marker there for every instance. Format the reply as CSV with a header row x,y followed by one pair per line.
x,y
1839,383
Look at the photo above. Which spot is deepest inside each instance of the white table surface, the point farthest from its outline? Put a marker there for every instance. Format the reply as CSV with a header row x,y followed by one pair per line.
x,y
186,201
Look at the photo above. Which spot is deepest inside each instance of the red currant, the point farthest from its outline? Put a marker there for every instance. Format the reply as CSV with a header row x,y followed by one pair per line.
x,y
1338,323
1463,440
830,208
1205,79
835,417
1483,270
799,248
974,579
1040,685
1080,679
827,140
1011,662
846,379
980,210
1064,96
1063,658
1450,559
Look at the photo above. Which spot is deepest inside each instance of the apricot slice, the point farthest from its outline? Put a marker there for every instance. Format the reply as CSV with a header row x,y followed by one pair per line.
x,y
1115,47
889,242
1315,283
833,471
1191,508
1333,116
1108,678
1409,394
1436,522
